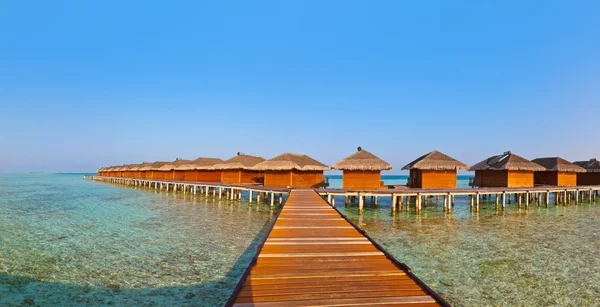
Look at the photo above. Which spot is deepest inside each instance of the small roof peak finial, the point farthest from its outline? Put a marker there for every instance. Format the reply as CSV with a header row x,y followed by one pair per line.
x,y
359,148
593,159
507,152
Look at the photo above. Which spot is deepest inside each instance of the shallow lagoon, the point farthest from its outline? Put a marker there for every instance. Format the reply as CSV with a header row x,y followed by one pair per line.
x,y
536,257
66,241
69,242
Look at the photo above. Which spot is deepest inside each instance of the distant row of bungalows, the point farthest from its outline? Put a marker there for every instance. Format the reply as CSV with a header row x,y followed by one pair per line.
x,y
362,171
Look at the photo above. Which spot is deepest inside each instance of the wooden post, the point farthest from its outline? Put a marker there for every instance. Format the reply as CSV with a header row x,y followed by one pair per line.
x,y
401,202
250,197
272,199
393,204
471,202
519,201
360,204
496,201
503,200
280,198
333,200
527,200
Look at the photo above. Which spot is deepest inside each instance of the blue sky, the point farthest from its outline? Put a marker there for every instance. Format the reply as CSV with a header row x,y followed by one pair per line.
x,y
90,83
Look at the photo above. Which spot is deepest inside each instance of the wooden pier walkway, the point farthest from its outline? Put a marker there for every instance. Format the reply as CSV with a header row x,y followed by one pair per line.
x,y
313,256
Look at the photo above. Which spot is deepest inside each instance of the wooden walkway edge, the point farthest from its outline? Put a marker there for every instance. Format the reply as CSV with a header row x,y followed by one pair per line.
x,y
314,256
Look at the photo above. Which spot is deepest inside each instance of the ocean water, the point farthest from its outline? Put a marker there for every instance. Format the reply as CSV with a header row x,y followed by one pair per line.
x,y
65,241
517,257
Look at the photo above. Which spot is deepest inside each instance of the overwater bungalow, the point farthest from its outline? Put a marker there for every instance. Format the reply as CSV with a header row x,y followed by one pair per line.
x,y
129,171
170,172
362,170
137,171
115,171
153,170
558,172
592,172
292,170
434,170
110,171
505,170
145,170
122,170
101,171
201,170
239,169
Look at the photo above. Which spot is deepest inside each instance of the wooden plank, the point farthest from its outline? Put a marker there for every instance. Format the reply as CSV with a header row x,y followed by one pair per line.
x,y
338,296
314,257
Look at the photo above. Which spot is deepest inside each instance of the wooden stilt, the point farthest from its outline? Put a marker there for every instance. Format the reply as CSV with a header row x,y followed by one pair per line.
x,y
272,199
360,204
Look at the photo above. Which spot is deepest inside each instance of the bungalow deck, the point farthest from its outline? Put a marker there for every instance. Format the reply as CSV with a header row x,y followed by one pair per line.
x,y
401,197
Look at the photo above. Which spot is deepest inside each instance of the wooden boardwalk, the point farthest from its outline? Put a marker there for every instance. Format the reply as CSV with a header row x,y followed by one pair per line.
x,y
313,256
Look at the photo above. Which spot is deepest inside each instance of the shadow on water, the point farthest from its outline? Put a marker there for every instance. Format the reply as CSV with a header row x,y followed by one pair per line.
x,y
26,291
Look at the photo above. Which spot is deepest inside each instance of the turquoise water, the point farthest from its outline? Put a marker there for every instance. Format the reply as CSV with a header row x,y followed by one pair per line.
x,y
65,241
536,257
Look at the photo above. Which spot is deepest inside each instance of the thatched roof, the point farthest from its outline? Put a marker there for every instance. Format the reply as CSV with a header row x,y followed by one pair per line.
x,y
173,165
362,160
199,164
138,167
122,168
592,166
437,161
148,166
291,161
507,161
154,166
241,161
556,164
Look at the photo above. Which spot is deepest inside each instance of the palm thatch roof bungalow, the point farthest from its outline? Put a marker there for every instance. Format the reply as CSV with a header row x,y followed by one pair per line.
x,y
111,171
170,171
122,170
558,172
292,170
137,169
592,172
362,170
101,171
131,170
145,170
239,169
153,170
434,170
201,170
505,170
